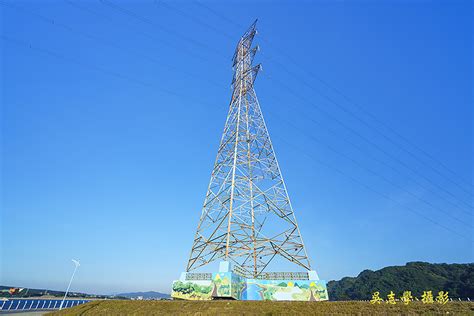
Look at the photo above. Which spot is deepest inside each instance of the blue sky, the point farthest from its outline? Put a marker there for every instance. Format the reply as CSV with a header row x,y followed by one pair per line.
x,y
111,122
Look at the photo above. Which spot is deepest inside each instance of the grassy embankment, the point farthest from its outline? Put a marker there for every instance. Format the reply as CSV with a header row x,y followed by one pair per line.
x,y
111,307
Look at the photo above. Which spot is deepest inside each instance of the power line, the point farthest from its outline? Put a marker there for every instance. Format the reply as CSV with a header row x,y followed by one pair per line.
x,y
344,108
345,125
146,34
146,84
351,113
240,26
368,154
193,17
164,28
102,40
93,37
109,72
391,129
367,140
427,202
78,62
355,162
355,180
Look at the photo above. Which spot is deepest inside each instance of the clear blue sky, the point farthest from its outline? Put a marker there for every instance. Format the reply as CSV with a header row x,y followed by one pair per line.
x,y
101,164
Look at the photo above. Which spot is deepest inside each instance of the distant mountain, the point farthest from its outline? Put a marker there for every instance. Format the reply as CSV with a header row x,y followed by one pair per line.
x,y
145,295
457,279
17,292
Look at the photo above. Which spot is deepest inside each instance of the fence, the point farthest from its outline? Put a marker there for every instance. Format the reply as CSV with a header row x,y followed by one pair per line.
x,y
37,304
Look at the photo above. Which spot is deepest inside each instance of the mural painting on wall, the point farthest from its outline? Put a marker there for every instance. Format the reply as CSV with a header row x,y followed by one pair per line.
x,y
199,290
227,284
231,285
221,284
239,284
285,290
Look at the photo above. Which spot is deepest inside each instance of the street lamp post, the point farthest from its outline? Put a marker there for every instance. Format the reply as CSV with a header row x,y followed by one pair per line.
x,y
76,265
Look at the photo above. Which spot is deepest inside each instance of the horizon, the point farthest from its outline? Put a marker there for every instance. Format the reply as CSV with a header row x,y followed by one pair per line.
x,y
168,293
111,124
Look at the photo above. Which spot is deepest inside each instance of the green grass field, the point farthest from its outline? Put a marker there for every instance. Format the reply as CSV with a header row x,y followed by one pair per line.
x,y
112,307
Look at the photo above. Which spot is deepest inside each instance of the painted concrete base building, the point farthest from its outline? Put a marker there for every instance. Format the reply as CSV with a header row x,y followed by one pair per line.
x,y
247,223
226,284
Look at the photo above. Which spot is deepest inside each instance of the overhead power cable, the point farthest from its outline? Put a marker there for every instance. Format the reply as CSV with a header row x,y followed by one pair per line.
x,y
69,28
369,141
194,18
427,202
382,123
151,36
146,84
369,188
364,122
169,30
372,172
398,160
368,153
469,192
104,41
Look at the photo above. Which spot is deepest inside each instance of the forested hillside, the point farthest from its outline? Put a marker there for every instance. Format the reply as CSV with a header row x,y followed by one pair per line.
x,y
457,279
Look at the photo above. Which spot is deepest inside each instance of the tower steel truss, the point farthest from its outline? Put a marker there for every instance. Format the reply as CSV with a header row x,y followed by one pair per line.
x,y
247,217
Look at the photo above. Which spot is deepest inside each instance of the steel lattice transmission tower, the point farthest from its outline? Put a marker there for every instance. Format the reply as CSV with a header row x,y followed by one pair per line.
x,y
247,217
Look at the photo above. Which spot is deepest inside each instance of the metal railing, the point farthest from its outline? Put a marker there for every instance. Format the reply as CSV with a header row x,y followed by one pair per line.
x,y
240,271
271,275
198,276
283,276
36,304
